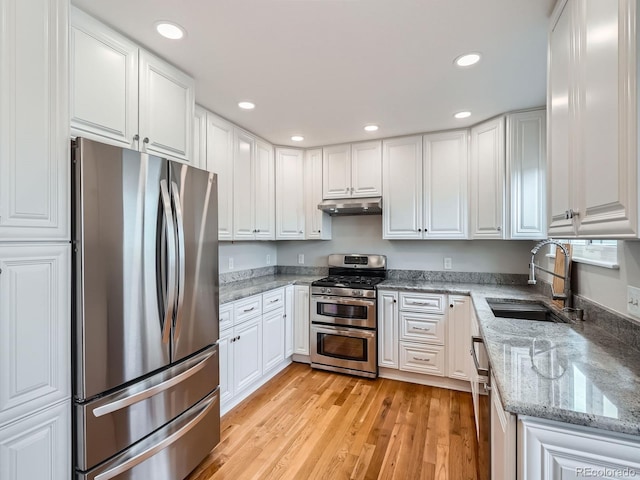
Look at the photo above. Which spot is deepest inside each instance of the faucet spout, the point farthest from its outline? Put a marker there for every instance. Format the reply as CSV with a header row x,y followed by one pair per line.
x,y
566,295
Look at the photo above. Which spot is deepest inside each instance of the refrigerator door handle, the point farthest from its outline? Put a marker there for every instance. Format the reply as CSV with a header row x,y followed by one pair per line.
x,y
150,392
181,257
150,452
171,260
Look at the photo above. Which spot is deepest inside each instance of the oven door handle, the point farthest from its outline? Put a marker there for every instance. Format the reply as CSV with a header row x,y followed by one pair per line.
x,y
343,301
481,371
352,332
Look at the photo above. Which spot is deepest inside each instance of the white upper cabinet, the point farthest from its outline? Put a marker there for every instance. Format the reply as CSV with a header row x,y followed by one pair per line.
x,y
123,95
199,152
488,180
402,188
317,223
220,162
264,191
593,120
526,171
253,188
445,173
290,217
352,170
336,171
34,120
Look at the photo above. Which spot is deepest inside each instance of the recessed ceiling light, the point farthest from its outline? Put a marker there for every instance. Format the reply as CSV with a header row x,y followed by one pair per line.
x,y
297,138
247,105
170,30
462,115
467,59
371,128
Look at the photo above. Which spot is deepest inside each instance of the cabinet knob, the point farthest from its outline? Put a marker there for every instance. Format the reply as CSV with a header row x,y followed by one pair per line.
x,y
451,305
258,231
136,137
419,229
300,231
498,228
145,140
395,301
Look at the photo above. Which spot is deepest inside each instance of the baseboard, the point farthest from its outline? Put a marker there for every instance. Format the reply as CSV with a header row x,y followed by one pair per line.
x,y
422,379
301,358
226,406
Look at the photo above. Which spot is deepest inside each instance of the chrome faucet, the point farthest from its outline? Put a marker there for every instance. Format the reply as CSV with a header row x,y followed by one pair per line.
x,y
566,295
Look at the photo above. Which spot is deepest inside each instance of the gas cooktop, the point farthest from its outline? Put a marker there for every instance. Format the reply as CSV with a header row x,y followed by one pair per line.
x,y
348,281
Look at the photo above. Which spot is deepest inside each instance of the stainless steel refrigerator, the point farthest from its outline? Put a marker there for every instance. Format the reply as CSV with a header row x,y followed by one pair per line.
x,y
145,263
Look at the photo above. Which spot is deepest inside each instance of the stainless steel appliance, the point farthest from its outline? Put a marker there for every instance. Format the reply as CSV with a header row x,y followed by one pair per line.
x,y
145,264
481,391
344,315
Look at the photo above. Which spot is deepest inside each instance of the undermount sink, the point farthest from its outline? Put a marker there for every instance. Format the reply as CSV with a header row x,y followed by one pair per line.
x,y
524,311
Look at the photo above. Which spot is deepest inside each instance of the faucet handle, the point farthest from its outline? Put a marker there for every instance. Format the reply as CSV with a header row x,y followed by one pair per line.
x,y
532,282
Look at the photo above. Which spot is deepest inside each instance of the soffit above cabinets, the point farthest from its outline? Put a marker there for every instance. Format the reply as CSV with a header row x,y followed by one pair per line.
x,y
325,68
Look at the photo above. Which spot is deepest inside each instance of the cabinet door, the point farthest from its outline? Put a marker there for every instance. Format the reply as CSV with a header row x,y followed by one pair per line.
x,y
301,320
35,343
459,326
225,348
445,185
289,194
317,223
247,354
34,120
243,187
38,446
402,188
336,172
366,169
526,171
560,101
487,180
607,127
220,161
503,439
264,181
388,329
289,314
103,82
554,451
165,108
199,157
273,348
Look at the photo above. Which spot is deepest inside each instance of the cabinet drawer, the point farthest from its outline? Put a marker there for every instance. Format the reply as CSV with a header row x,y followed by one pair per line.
x,y
226,316
248,308
422,358
272,300
416,327
422,302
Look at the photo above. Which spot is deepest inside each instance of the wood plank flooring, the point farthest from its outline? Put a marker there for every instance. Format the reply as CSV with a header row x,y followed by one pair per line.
x,y
310,424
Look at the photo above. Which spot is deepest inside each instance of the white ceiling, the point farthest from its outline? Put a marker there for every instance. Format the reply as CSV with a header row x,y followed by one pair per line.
x,y
325,68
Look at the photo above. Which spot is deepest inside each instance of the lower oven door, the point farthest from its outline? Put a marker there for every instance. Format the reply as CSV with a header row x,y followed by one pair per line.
x,y
351,312
342,349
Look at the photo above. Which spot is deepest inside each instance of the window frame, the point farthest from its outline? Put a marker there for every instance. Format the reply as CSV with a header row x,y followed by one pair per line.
x,y
593,252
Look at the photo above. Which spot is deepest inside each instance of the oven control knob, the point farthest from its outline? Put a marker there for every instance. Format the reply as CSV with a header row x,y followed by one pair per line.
x,y
357,293
328,290
323,290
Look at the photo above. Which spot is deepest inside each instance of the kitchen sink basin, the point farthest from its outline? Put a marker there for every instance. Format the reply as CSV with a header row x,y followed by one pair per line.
x,y
525,311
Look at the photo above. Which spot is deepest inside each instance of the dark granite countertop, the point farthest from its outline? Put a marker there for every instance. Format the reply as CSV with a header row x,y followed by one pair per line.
x,y
568,372
230,292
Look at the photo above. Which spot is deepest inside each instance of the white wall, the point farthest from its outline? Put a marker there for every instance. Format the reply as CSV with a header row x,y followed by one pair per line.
x,y
246,255
363,234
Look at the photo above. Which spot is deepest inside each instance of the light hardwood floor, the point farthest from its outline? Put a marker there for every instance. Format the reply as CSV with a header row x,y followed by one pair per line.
x,y
310,424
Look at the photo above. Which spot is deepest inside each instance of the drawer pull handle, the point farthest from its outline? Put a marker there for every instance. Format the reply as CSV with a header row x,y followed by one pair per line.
x,y
248,309
422,329
423,304
422,359
274,301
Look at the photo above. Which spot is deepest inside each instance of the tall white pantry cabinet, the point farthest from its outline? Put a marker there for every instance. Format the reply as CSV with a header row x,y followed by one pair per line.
x,y
35,319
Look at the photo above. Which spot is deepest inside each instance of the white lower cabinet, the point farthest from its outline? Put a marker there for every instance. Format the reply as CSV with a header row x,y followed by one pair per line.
x,y
247,354
459,327
35,323
289,300
273,340
550,450
503,439
301,320
388,329
38,446
427,359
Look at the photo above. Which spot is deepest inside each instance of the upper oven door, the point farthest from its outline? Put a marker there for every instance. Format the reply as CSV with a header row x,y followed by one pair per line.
x,y
353,312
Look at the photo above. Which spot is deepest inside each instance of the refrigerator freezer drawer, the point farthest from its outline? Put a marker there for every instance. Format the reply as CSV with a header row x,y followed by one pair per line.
x,y
172,452
110,424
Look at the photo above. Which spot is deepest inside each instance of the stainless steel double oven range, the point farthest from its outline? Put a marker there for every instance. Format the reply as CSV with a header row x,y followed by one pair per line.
x,y
344,315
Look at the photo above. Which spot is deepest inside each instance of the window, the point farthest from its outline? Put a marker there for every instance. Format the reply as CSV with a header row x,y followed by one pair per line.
x,y
603,253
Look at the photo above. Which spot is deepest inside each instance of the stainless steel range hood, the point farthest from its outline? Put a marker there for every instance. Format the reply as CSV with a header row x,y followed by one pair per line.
x,y
352,206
